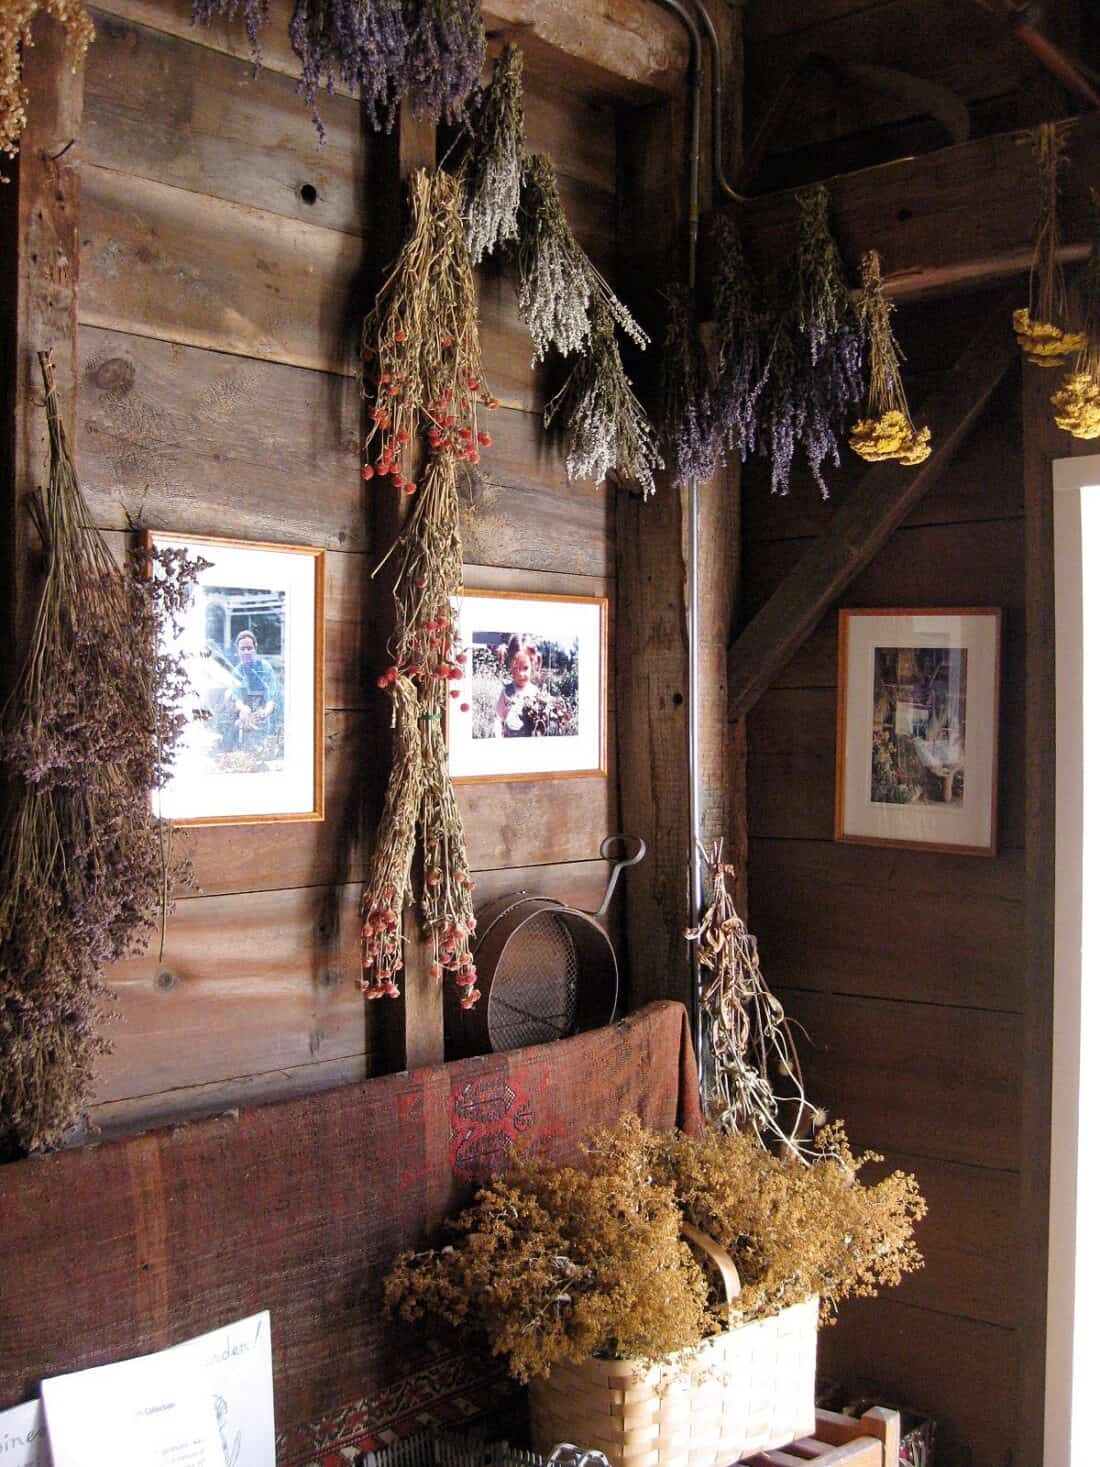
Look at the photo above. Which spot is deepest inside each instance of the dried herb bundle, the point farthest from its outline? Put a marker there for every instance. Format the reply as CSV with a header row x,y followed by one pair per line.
x,y
422,368
604,423
1042,329
752,1078
362,44
739,320
90,730
493,168
887,431
16,22
558,284
688,434
445,57
822,306
1077,401
563,1263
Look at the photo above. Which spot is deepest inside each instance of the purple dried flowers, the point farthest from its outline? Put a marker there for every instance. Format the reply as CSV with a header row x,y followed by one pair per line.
x,y
362,44
254,13
741,347
445,57
84,865
687,427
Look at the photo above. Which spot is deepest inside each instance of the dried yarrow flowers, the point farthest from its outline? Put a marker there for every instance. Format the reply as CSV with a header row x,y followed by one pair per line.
x,y
16,22
362,44
1077,401
85,868
887,431
422,373
561,1262
688,435
752,1080
558,284
1042,329
739,326
493,167
605,425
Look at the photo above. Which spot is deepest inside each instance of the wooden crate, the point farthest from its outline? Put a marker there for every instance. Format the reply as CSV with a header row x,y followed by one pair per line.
x,y
870,1440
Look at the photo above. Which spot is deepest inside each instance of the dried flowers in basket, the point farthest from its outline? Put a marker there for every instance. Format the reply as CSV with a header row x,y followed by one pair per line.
x,y
887,431
85,867
16,22
1077,402
1042,327
422,373
585,1268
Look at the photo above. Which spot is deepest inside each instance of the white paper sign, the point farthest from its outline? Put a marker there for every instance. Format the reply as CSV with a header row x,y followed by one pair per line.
x,y
23,1437
151,1412
205,1403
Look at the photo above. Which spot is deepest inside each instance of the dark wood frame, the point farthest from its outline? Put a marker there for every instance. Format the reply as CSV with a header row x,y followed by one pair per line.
x,y
846,617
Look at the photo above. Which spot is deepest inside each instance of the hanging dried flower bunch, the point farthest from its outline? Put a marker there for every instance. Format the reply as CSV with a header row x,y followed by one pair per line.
x,y
688,435
445,57
1042,329
422,371
887,431
752,1080
739,322
604,423
360,44
558,283
90,729
1077,401
493,168
16,22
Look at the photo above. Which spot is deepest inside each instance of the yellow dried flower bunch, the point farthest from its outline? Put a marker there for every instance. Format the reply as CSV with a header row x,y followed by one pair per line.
x,y
1077,402
567,1262
887,431
16,20
1042,328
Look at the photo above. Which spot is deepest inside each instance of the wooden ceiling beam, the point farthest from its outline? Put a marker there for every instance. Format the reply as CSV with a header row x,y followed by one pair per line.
x,y
954,219
884,496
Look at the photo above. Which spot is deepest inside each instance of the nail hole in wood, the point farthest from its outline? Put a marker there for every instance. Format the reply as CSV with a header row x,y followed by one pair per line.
x,y
307,193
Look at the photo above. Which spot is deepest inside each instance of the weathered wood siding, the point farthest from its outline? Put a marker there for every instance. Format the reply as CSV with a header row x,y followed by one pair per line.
x,y
908,968
219,315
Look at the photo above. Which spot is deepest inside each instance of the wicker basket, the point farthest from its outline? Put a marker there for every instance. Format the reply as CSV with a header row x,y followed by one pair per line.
x,y
741,1392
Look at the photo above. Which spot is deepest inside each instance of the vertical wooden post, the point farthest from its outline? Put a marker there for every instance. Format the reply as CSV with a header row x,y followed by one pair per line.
x,y
40,249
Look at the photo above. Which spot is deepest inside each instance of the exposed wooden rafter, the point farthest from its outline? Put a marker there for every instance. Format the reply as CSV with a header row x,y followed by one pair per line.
x,y
948,220
883,498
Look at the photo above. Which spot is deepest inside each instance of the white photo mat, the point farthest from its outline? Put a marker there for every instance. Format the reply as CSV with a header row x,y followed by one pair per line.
x,y
572,630
960,769
280,777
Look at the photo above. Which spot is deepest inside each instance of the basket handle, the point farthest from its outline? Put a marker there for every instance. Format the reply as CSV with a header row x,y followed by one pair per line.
x,y
717,1255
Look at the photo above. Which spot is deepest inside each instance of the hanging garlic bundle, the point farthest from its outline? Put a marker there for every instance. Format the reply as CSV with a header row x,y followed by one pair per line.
x,y
1077,401
751,1076
422,368
558,283
1041,329
605,425
16,22
887,431
493,168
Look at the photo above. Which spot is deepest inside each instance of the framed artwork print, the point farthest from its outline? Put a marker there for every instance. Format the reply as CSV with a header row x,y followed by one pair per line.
x,y
251,642
533,697
917,713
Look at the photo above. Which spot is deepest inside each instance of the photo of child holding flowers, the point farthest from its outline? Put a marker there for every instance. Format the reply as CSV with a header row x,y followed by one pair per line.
x,y
523,686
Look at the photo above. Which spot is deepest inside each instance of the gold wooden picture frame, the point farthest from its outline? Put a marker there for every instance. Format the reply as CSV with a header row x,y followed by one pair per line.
x,y
532,701
252,645
918,704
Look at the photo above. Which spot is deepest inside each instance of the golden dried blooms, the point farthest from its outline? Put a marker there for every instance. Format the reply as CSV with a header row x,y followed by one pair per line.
x,y
1043,343
887,431
1077,405
16,20
563,1263
890,436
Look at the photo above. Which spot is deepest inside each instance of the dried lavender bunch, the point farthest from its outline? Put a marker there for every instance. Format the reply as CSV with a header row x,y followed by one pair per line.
x,y
605,425
493,167
687,428
254,13
445,56
739,320
558,283
823,305
362,44
85,867
781,410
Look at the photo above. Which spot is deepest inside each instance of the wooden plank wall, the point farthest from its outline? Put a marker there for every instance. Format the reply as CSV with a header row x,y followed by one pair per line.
x,y
907,969
219,311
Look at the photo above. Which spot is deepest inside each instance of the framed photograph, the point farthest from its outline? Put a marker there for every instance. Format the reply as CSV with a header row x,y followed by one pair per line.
x,y
916,746
533,701
252,645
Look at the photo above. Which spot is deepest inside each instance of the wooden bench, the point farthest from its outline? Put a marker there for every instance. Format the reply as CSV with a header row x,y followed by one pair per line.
x,y
870,1440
